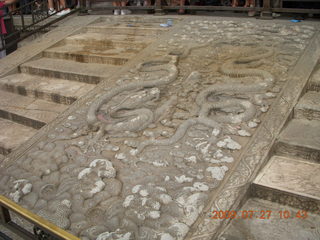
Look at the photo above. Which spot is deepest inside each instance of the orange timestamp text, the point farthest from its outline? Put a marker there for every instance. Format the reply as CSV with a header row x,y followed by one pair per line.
x,y
258,214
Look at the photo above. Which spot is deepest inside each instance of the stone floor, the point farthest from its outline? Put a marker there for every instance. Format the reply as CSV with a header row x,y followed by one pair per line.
x,y
167,126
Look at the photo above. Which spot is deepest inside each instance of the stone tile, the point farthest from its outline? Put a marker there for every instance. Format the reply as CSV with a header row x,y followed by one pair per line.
x,y
12,135
314,84
28,111
275,227
69,70
291,175
50,89
85,54
300,138
125,30
308,106
108,40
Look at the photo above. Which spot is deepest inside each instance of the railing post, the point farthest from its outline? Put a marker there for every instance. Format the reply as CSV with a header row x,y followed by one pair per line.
x,y
83,8
4,215
266,11
158,7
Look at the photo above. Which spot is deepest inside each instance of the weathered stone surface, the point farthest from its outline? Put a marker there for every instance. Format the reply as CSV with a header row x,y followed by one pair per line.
x,y
300,138
291,175
50,89
182,133
314,84
93,54
28,111
113,40
125,30
308,106
12,135
276,227
59,68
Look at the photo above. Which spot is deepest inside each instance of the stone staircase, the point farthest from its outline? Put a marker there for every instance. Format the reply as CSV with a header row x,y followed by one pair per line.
x,y
285,196
46,85
292,175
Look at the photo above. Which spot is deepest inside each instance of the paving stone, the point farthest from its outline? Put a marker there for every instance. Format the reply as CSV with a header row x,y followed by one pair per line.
x,y
300,138
69,70
97,39
291,175
275,227
55,90
137,31
12,135
85,54
28,111
308,106
314,84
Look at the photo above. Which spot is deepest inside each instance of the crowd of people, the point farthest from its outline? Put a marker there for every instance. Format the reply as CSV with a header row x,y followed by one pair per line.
x,y
60,7
234,3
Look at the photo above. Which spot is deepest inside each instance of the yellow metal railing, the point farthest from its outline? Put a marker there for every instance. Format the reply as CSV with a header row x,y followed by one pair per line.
x,y
47,229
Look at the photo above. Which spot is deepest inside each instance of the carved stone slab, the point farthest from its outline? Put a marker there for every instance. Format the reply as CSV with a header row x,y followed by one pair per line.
x,y
182,133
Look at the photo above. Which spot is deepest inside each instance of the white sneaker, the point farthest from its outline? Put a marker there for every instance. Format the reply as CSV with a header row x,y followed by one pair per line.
x,y
51,11
125,12
116,12
64,12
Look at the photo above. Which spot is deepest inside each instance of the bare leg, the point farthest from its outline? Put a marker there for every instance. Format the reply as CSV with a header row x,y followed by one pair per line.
x,y
12,7
50,4
62,4
235,3
182,2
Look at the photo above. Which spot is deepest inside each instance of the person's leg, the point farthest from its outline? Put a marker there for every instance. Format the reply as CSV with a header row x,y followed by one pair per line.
x,y
249,3
124,11
117,10
235,3
181,3
63,4
51,7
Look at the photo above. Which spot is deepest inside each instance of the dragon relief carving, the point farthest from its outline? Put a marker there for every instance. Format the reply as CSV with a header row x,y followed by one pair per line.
x,y
136,108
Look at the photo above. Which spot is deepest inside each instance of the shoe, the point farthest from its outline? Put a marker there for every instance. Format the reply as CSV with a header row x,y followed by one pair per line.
x,y
64,12
125,12
51,11
116,12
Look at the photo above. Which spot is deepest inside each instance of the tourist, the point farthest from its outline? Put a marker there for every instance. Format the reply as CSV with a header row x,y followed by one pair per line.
x,y
3,30
119,5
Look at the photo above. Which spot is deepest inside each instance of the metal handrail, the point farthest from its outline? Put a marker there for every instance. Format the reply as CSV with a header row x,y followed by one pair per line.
x,y
41,16
46,228
159,6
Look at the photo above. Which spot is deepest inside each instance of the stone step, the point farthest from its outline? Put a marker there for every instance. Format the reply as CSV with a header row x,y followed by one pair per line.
x,y
50,89
12,135
84,54
28,111
108,41
290,181
308,106
260,219
314,83
300,138
69,70
118,37
125,30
